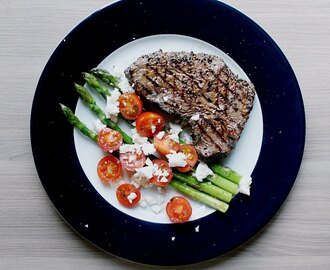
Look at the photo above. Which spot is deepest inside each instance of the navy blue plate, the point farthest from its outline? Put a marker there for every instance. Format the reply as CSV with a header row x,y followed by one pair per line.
x,y
73,195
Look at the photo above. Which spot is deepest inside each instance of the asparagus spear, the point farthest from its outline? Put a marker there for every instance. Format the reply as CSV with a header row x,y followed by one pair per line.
x,y
99,88
105,76
200,196
204,187
222,182
87,97
226,173
74,120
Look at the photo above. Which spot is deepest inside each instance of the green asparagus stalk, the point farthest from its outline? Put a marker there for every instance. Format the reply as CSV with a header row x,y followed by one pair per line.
x,y
99,88
106,77
74,120
200,196
223,183
90,101
226,173
208,188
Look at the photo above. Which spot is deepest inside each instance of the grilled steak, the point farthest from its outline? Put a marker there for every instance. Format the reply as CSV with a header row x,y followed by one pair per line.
x,y
201,91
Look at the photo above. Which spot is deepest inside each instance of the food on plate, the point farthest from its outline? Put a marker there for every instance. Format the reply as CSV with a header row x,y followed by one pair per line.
x,y
149,123
130,106
109,140
192,157
109,169
201,91
178,209
164,144
128,195
213,101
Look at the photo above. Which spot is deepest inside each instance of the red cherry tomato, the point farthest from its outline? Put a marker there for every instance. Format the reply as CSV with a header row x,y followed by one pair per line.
x,y
192,157
109,169
165,144
130,106
109,140
178,209
149,123
128,195
163,175
133,160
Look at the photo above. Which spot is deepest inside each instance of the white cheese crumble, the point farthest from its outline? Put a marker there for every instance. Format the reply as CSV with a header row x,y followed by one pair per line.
x,y
144,172
127,148
153,129
174,132
197,228
131,197
123,82
176,159
202,171
195,117
112,107
160,135
148,148
98,125
156,208
244,185
137,139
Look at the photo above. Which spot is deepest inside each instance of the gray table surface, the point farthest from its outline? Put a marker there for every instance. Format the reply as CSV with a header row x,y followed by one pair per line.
x,y
34,236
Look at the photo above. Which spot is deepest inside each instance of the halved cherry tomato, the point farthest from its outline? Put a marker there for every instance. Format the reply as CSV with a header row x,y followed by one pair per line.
x,y
149,123
163,176
109,169
130,106
178,209
192,157
128,195
109,139
133,160
166,144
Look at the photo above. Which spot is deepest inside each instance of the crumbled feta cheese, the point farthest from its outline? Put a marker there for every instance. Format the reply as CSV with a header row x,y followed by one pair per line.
x,y
148,148
197,228
144,172
173,238
142,203
186,137
174,132
98,125
131,197
202,171
127,148
160,135
244,185
137,139
123,82
156,209
112,107
149,162
166,98
153,129
150,200
177,159
195,117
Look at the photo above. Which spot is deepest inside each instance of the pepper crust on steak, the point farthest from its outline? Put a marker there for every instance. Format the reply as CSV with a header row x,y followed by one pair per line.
x,y
201,91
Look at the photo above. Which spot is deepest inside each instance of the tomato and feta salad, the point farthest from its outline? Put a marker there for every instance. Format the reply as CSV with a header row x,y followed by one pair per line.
x,y
150,160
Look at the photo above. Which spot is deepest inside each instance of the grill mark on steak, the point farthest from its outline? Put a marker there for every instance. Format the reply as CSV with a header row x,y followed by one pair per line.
x,y
184,84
